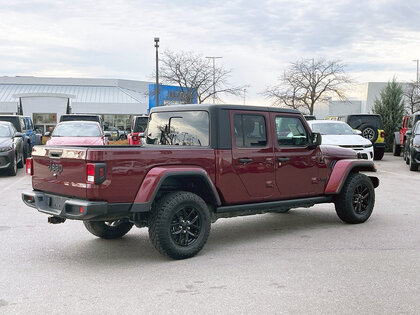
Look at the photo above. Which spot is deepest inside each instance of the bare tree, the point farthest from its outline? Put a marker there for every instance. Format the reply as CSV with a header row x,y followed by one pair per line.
x,y
412,94
308,81
196,77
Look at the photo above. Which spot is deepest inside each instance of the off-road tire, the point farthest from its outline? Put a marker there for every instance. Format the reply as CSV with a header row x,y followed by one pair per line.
x,y
108,231
164,227
378,154
369,132
358,187
396,149
26,152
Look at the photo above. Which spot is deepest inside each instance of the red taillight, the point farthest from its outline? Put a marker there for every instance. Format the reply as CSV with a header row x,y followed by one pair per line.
x,y
90,173
135,138
29,166
382,134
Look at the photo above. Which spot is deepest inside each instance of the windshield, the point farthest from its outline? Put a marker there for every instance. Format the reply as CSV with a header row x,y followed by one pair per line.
x,y
179,128
333,128
5,131
77,129
140,124
13,120
356,121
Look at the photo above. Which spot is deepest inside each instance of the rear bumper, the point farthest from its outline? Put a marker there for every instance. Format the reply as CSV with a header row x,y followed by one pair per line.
x,y
75,209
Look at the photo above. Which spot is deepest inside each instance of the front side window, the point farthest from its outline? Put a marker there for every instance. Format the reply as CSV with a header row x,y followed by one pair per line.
x,y
249,130
179,128
290,132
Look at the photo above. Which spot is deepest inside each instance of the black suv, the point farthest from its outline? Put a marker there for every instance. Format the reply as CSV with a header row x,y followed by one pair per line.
x,y
412,149
371,128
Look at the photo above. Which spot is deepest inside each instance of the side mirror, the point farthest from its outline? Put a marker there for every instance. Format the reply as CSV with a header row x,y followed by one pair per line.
x,y
409,132
19,134
107,135
357,132
47,134
315,140
141,135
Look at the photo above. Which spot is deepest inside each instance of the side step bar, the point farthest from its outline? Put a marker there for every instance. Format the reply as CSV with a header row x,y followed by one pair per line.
x,y
272,206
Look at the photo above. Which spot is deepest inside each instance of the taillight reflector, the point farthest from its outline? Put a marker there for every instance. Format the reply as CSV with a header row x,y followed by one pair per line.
x,y
382,134
90,173
29,166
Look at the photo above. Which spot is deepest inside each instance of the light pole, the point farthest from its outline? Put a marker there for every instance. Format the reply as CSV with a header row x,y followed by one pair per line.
x,y
214,77
244,95
417,74
157,71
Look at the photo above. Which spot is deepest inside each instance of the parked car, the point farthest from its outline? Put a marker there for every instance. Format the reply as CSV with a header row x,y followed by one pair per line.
x,y
200,163
341,134
372,129
78,133
114,133
412,150
399,136
11,148
138,127
25,126
83,117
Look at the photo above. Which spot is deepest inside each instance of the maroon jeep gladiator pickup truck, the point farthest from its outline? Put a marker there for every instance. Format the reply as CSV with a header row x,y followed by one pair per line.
x,y
199,163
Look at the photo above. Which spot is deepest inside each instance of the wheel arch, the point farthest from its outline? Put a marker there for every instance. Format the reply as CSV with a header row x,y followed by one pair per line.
x,y
160,180
343,168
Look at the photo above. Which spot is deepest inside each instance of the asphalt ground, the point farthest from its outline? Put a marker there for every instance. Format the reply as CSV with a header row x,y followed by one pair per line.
x,y
305,261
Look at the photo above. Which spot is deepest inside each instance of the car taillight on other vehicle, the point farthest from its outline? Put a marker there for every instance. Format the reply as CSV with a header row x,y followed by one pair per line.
x,y
135,138
382,134
29,166
95,173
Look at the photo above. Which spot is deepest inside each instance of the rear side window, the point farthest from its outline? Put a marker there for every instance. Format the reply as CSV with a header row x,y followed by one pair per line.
x,y
250,130
189,128
290,132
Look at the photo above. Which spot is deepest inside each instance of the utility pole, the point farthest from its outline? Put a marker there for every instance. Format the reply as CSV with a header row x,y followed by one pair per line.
x,y
214,77
157,71
244,95
417,74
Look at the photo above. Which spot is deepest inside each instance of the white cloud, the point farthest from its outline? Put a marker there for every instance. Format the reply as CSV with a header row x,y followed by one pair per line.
x,y
257,39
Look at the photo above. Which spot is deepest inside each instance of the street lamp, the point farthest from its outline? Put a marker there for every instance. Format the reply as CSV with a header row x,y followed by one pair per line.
x,y
214,77
157,71
417,74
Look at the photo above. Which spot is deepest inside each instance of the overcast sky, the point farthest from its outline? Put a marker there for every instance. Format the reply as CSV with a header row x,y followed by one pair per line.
x,y
376,39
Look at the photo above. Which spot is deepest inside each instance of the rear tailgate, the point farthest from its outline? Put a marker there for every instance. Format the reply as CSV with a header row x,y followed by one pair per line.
x,y
59,170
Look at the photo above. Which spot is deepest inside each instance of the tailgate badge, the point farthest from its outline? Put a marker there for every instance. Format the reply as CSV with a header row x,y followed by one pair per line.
x,y
56,168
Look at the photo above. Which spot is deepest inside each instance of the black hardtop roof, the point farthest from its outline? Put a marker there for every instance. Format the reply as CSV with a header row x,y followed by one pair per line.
x,y
209,107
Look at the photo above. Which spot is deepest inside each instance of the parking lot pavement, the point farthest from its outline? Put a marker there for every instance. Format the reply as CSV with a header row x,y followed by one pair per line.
x,y
305,261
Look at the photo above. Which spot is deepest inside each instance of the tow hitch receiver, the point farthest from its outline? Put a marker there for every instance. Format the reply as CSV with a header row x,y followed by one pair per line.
x,y
56,220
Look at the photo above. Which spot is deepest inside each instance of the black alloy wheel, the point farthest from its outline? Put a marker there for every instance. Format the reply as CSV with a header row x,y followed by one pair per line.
x,y
361,199
186,226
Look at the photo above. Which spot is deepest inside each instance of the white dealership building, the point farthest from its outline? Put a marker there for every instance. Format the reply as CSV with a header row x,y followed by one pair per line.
x,y
46,99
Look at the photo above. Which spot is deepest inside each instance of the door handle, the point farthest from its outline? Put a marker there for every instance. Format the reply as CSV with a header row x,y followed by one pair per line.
x,y
283,159
245,160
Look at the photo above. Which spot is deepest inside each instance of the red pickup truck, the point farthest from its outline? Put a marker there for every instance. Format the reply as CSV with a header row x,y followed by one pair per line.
x,y
199,163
